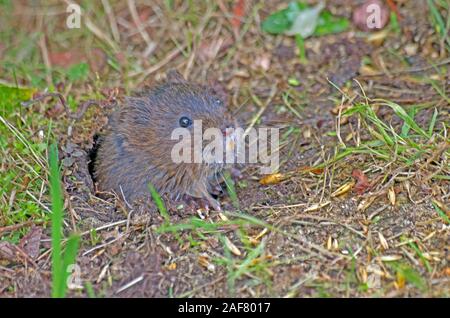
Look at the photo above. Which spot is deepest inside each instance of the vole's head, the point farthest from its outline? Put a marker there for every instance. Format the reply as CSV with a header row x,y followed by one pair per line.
x,y
151,119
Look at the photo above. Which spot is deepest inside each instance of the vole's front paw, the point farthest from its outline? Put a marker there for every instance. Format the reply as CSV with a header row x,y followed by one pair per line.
x,y
191,205
236,174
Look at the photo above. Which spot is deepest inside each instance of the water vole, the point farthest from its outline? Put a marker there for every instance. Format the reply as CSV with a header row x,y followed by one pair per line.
x,y
136,147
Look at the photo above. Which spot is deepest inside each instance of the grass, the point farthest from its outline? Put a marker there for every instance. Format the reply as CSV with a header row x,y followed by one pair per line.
x,y
61,261
441,26
379,145
231,189
406,147
159,203
197,231
23,163
441,213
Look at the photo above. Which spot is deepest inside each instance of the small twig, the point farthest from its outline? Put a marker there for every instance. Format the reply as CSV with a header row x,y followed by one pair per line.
x,y
15,227
130,284
96,30
104,227
46,58
112,20
411,70
137,21
75,116
102,245
160,64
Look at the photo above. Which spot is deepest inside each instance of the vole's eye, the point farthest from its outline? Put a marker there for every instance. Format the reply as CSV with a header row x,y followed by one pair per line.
x,y
218,102
185,122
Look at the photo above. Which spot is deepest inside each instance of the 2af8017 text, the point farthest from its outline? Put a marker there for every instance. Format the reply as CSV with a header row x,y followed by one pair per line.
x,y
225,307
245,307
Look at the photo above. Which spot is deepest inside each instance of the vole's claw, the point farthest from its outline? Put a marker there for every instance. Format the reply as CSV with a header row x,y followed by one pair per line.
x,y
236,174
214,204
216,189
192,204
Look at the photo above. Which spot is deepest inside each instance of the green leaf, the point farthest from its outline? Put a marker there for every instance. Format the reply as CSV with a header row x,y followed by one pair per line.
x,y
293,81
306,21
282,21
330,24
78,72
11,96
276,23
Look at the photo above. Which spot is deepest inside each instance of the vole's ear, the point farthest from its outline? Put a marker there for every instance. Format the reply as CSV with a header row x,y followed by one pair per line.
x,y
173,76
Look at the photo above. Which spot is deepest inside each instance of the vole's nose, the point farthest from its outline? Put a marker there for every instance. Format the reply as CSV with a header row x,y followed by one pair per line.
x,y
226,131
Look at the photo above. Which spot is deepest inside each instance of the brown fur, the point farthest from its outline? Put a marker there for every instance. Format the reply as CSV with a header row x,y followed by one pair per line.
x,y
136,148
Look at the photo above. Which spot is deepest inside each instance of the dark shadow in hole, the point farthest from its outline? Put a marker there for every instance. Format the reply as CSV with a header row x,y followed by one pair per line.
x,y
92,155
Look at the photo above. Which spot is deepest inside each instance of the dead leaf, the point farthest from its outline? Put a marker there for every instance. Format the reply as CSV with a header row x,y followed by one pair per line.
x,y
447,271
172,266
97,58
262,62
391,196
383,241
204,261
377,38
232,247
390,258
400,283
316,206
223,217
64,59
313,170
362,182
343,189
238,14
8,251
364,204
55,111
273,178
31,242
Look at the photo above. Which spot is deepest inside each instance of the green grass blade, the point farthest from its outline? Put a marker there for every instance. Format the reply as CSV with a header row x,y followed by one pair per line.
x,y
231,189
90,290
70,255
400,112
439,23
433,122
248,260
441,213
413,245
159,202
406,127
57,220
60,262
